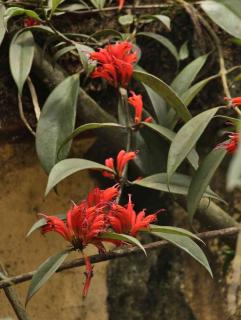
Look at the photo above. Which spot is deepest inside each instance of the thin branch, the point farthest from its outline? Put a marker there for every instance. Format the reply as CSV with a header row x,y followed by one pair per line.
x,y
22,116
118,254
13,298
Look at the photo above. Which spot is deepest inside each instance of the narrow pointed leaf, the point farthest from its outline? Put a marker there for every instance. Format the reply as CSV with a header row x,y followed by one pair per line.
x,y
45,271
184,79
202,178
186,139
21,54
178,184
188,245
164,91
173,230
124,238
65,168
226,14
56,123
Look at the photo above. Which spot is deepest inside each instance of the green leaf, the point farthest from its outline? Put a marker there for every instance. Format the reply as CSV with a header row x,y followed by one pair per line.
x,y
126,20
184,79
163,41
169,135
188,245
57,121
184,52
54,5
2,23
90,126
202,178
106,33
165,20
42,222
165,91
226,14
173,230
67,167
21,54
178,184
186,138
98,4
234,170
124,238
16,11
45,271
234,121
84,52
193,91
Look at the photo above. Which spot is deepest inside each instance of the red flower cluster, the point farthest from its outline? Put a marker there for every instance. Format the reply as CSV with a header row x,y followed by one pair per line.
x,y
85,222
234,102
136,102
30,22
115,63
122,159
232,144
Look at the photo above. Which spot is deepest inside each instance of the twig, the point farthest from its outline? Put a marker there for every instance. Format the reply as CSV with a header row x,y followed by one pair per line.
x,y
118,254
13,298
22,116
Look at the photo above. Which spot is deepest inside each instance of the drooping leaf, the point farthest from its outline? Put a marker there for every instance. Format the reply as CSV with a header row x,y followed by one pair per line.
x,y
184,79
234,171
178,184
21,54
2,23
163,41
165,20
57,122
106,33
67,167
202,178
16,11
44,272
188,245
226,14
165,91
122,237
173,230
186,138
41,222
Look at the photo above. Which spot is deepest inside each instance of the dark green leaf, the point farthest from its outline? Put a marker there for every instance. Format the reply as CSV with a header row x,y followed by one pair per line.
x,y
44,272
122,237
16,11
165,20
67,167
186,138
188,245
202,178
21,54
184,79
178,184
226,14
162,40
57,122
173,230
106,33
165,91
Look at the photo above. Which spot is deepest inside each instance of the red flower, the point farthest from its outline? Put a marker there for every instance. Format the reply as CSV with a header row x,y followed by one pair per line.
x,y
126,220
121,4
123,158
234,102
30,22
232,144
137,103
115,63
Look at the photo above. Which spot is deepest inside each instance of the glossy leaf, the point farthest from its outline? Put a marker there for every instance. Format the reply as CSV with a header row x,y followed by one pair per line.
x,y
183,80
124,238
188,245
163,41
2,23
42,222
186,139
178,184
192,156
57,121
21,54
65,168
165,91
234,171
226,14
45,271
202,178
